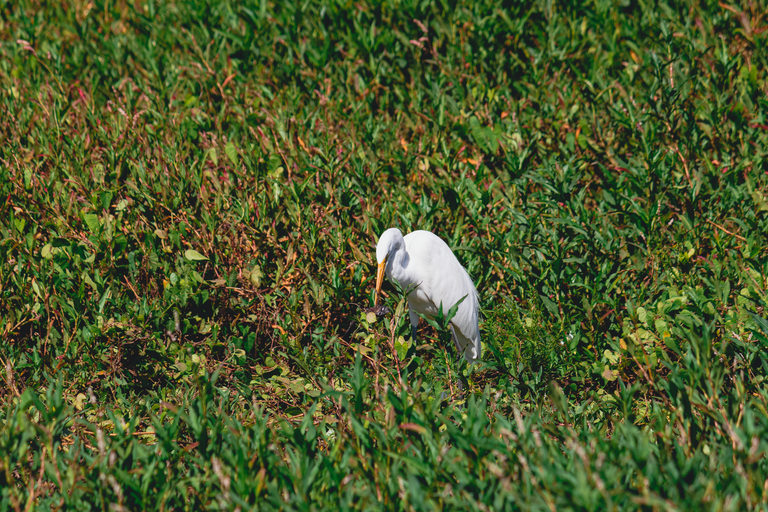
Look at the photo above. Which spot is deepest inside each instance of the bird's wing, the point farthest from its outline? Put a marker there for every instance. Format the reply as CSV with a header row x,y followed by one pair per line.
x,y
442,279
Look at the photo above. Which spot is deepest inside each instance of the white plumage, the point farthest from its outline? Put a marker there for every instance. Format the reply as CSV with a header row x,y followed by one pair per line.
x,y
423,260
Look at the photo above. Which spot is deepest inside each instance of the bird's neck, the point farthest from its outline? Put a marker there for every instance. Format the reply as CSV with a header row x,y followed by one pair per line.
x,y
398,267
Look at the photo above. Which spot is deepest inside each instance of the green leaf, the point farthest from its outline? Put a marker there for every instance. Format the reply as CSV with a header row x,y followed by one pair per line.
x,y
551,306
193,255
36,288
256,276
275,165
454,309
92,221
400,308
106,199
231,152
401,347
478,134
213,156
91,283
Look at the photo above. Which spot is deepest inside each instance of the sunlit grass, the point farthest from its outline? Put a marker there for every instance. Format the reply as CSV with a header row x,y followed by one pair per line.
x,y
190,189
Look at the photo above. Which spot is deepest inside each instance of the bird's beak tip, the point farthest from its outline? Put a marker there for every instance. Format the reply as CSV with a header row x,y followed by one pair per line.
x,y
379,280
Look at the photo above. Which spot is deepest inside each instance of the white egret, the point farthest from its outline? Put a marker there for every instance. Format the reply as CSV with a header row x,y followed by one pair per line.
x,y
423,263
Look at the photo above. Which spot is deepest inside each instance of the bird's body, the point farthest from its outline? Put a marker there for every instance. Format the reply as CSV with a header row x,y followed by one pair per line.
x,y
423,263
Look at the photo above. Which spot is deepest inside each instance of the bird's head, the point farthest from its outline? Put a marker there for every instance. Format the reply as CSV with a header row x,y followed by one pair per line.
x,y
388,242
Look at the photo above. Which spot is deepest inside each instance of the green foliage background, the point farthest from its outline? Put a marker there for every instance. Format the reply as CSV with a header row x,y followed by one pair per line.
x,y
190,195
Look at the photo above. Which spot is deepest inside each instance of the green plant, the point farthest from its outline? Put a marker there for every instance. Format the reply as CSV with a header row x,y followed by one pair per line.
x,y
189,197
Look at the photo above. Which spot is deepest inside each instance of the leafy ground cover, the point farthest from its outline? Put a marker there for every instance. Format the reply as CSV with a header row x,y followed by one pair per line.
x,y
191,194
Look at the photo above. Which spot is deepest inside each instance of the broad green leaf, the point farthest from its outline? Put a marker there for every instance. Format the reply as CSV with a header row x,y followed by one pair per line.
x,y
193,255
92,221
87,278
36,289
231,152
401,347
550,305
256,276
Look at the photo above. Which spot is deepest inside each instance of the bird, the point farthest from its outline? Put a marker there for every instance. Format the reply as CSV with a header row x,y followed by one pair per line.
x,y
422,263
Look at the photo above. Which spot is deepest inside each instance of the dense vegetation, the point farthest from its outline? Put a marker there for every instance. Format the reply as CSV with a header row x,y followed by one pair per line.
x,y
190,196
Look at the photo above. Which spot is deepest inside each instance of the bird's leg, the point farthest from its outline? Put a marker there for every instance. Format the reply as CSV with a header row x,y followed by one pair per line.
x,y
460,350
455,338
414,316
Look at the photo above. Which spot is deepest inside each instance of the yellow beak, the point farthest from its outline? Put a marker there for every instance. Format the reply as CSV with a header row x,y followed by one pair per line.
x,y
379,280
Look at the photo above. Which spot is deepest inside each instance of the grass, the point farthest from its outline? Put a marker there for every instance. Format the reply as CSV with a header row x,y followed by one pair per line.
x,y
191,195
